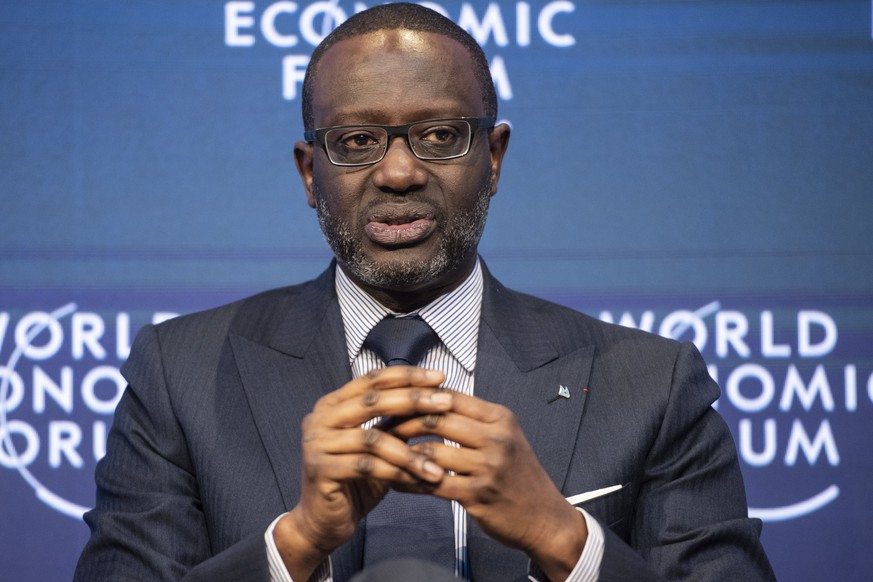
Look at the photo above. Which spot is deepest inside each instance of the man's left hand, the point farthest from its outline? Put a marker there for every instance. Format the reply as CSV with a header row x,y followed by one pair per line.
x,y
500,482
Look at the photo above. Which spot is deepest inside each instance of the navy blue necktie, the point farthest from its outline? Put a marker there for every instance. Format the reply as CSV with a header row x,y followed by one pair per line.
x,y
408,524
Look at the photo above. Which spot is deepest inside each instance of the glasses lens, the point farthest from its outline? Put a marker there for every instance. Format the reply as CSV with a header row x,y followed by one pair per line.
x,y
351,146
440,140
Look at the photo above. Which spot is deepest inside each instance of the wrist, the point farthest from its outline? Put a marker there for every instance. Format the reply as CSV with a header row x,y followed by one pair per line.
x,y
560,548
300,554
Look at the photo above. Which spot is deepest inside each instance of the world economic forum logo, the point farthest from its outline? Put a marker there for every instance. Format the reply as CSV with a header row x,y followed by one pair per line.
x,y
785,388
295,28
59,386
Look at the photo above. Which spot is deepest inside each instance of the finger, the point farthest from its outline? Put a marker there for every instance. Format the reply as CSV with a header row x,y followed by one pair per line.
x,y
396,402
460,488
354,466
473,492
382,379
378,444
461,460
478,409
345,467
463,430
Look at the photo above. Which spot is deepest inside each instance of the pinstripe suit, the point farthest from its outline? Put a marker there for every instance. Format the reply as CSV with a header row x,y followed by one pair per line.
x,y
204,451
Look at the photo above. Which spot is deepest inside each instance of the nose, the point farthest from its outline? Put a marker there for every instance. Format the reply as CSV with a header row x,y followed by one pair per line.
x,y
399,171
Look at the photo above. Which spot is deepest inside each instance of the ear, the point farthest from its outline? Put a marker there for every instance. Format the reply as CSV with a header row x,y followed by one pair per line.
x,y
303,155
498,140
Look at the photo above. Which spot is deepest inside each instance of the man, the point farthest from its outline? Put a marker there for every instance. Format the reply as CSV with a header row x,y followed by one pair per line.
x,y
245,446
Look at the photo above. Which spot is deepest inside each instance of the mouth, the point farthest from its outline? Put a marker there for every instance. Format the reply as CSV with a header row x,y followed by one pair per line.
x,y
400,225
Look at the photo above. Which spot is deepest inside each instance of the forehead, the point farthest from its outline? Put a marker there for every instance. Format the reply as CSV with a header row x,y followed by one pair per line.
x,y
393,77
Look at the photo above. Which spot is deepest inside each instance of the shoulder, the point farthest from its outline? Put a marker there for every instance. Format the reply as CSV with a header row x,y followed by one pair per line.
x,y
256,315
203,335
631,361
570,329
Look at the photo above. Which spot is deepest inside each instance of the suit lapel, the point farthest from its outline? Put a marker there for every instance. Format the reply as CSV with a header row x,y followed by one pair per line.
x,y
520,366
283,375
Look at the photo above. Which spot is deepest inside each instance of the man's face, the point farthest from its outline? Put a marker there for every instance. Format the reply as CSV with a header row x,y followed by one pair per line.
x,y
402,224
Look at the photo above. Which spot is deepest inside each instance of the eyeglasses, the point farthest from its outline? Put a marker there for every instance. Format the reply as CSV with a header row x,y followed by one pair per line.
x,y
433,139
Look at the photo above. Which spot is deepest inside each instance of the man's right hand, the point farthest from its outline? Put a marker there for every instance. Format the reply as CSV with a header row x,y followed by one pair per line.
x,y
346,469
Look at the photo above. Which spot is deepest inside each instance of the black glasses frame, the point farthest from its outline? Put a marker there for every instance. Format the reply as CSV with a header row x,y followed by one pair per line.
x,y
475,124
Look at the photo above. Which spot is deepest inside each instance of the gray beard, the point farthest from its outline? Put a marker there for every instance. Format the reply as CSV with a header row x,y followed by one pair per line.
x,y
460,237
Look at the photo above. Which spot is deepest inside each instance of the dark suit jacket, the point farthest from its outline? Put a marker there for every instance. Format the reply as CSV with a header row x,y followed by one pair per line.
x,y
205,448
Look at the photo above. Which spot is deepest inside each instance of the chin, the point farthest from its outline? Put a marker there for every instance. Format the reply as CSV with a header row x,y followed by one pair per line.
x,y
401,273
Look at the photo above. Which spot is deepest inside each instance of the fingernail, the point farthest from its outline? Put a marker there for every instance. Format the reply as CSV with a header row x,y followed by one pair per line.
x,y
442,398
433,374
432,469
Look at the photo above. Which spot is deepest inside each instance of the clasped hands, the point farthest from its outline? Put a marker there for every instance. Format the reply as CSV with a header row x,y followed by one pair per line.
x,y
495,474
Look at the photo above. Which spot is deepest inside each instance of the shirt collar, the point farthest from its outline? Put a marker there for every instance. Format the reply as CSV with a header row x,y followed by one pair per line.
x,y
453,316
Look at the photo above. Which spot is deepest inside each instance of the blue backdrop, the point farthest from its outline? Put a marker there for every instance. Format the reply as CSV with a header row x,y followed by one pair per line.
x,y
700,169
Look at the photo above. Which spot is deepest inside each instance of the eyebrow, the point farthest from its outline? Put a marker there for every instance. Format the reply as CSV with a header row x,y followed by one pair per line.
x,y
346,118
381,117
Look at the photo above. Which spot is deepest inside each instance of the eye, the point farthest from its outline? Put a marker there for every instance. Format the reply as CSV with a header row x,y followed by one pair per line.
x,y
357,139
440,135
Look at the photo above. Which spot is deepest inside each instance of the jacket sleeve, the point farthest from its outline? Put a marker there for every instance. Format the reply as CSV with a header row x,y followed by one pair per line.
x,y
148,523
690,519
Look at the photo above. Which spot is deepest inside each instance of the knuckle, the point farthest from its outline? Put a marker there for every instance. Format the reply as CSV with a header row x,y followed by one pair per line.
x,y
364,464
310,471
422,452
312,466
504,442
427,449
503,414
494,465
371,437
431,421
309,423
371,398
328,401
485,491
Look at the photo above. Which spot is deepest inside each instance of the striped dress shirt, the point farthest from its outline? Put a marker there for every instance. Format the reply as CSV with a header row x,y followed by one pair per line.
x,y
455,319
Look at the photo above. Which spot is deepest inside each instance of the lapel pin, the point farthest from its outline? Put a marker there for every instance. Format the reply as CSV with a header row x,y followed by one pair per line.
x,y
563,392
